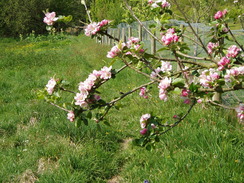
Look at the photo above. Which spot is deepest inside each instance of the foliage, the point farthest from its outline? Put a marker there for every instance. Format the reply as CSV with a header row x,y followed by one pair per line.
x,y
107,9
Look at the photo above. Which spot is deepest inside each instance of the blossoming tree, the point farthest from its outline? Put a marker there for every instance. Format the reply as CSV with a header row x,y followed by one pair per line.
x,y
196,80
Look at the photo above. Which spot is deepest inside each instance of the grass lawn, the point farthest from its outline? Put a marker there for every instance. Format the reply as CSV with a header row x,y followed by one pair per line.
x,y
38,143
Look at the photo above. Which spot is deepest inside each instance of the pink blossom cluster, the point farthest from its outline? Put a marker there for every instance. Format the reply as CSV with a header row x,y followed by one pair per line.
x,y
163,85
165,67
132,43
143,92
232,73
233,51
170,37
224,61
116,50
71,116
94,27
208,77
85,88
50,18
184,95
158,3
211,46
240,112
50,86
220,14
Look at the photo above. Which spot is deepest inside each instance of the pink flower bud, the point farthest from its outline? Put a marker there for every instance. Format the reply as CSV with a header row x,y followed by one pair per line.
x,y
143,131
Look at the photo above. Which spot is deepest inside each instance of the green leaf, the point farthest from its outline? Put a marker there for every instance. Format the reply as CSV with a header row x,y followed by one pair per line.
x,y
178,82
149,147
89,115
193,88
106,123
85,121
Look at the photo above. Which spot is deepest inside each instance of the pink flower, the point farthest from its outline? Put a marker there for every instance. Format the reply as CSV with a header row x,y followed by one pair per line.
x,y
71,116
199,101
103,23
50,18
185,92
162,95
211,46
97,97
187,101
115,50
155,73
220,14
164,83
106,72
143,120
92,29
150,1
240,112
165,4
232,51
80,99
223,61
143,131
132,40
166,66
50,86
143,92
208,77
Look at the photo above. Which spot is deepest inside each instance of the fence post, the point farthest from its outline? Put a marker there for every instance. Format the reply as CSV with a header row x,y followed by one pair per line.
x,y
123,38
153,44
140,31
129,31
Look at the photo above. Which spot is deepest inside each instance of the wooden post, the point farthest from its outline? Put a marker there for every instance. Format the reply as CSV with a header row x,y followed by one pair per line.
x,y
118,32
153,44
129,31
123,38
140,32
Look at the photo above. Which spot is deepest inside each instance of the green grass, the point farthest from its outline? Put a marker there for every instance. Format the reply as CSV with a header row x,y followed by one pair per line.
x,y
38,143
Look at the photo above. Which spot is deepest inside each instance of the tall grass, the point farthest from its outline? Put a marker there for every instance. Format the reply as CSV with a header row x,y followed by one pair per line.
x,y
39,144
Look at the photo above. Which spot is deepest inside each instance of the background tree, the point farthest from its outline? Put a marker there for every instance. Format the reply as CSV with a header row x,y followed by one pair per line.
x,y
24,16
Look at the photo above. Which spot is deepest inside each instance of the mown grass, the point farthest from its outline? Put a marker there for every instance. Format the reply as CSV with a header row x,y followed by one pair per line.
x,y
39,144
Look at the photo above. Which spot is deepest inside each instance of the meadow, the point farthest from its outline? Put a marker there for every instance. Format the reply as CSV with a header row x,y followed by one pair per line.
x,y
38,143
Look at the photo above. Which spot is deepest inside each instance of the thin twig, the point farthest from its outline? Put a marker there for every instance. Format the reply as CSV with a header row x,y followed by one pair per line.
x,y
59,107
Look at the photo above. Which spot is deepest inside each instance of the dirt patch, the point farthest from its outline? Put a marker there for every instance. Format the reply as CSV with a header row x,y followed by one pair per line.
x,y
125,144
27,177
46,165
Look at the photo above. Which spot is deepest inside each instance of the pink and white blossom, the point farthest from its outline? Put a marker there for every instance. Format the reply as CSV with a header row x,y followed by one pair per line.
x,y
50,18
92,29
164,83
208,77
50,86
155,73
116,50
233,51
71,116
143,120
143,92
170,37
106,73
224,61
166,66
240,112
211,46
